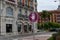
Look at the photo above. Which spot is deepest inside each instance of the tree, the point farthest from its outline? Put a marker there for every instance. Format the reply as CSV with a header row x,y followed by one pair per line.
x,y
45,14
48,15
48,25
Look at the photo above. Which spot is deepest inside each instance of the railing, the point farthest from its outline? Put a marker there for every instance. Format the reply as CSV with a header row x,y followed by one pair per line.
x,y
25,6
12,0
31,7
28,7
20,4
22,16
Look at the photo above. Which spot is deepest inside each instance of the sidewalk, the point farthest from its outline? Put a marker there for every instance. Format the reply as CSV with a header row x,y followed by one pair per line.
x,y
37,37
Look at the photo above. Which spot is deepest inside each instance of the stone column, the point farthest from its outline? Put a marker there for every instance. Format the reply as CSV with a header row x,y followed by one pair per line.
x,y
22,28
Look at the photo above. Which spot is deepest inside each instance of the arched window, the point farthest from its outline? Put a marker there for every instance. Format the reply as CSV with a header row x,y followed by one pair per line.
x,y
9,11
25,27
19,27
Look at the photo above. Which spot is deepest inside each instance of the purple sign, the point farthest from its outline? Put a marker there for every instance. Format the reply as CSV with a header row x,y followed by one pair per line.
x,y
33,16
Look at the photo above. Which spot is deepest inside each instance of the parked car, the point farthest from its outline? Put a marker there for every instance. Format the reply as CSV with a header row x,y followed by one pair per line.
x,y
38,30
54,29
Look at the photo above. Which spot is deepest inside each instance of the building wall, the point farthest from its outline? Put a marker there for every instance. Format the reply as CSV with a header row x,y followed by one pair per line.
x,y
14,20
55,17
8,20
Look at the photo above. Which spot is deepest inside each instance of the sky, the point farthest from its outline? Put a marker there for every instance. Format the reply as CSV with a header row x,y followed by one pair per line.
x,y
47,5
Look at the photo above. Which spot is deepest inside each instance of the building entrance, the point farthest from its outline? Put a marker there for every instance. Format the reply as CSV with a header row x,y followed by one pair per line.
x,y
8,28
25,28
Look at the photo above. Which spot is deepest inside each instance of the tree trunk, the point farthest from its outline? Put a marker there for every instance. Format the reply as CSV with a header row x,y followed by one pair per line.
x,y
43,23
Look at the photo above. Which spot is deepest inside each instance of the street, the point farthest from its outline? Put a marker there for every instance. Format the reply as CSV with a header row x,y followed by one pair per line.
x,y
37,37
40,35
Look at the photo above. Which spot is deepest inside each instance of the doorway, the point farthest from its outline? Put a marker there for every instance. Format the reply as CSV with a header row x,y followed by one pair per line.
x,y
8,28
19,27
25,28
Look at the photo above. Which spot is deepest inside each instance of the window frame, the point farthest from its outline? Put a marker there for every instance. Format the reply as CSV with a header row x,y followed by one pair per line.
x,y
9,11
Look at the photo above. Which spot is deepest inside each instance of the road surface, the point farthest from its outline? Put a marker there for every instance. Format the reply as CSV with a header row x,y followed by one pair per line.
x,y
37,36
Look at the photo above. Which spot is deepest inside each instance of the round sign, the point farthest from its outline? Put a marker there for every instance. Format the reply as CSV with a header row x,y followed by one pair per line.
x,y
33,17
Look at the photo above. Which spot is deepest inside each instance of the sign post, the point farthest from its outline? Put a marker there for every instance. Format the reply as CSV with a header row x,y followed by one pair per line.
x,y
33,17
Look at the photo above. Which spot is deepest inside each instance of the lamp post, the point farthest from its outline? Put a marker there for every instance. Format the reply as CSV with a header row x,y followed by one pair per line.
x,y
56,1
58,5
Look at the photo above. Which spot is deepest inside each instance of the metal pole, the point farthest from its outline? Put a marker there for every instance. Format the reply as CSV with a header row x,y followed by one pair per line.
x,y
33,31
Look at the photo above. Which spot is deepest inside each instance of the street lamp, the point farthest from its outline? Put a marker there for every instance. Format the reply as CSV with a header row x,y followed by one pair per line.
x,y
58,5
56,1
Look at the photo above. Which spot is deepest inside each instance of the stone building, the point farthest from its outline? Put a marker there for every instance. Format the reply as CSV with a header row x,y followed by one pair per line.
x,y
54,17
14,16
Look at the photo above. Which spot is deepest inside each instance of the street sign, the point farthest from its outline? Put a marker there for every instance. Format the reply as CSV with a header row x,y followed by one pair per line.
x,y
33,17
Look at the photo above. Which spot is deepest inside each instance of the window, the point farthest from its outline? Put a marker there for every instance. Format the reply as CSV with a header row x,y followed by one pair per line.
x,y
19,27
20,11
9,11
12,0
25,12
35,6
31,3
30,27
19,0
8,28
26,2
35,9
25,28
35,0
58,15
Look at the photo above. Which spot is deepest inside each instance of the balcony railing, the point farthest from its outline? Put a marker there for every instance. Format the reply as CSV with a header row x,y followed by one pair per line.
x,y
31,8
20,4
25,6
10,2
22,16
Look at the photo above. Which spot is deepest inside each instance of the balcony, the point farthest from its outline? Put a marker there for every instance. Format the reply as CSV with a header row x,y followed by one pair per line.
x,y
10,2
20,4
26,18
31,8
25,6
22,16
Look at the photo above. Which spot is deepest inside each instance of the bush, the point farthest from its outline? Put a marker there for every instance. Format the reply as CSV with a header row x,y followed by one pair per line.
x,y
51,38
48,25
55,36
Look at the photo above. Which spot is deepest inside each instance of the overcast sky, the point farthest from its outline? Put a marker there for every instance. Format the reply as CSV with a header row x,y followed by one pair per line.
x,y
47,5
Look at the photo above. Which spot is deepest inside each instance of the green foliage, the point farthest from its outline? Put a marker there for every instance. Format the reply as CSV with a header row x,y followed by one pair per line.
x,y
48,25
51,38
45,25
39,26
45,14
